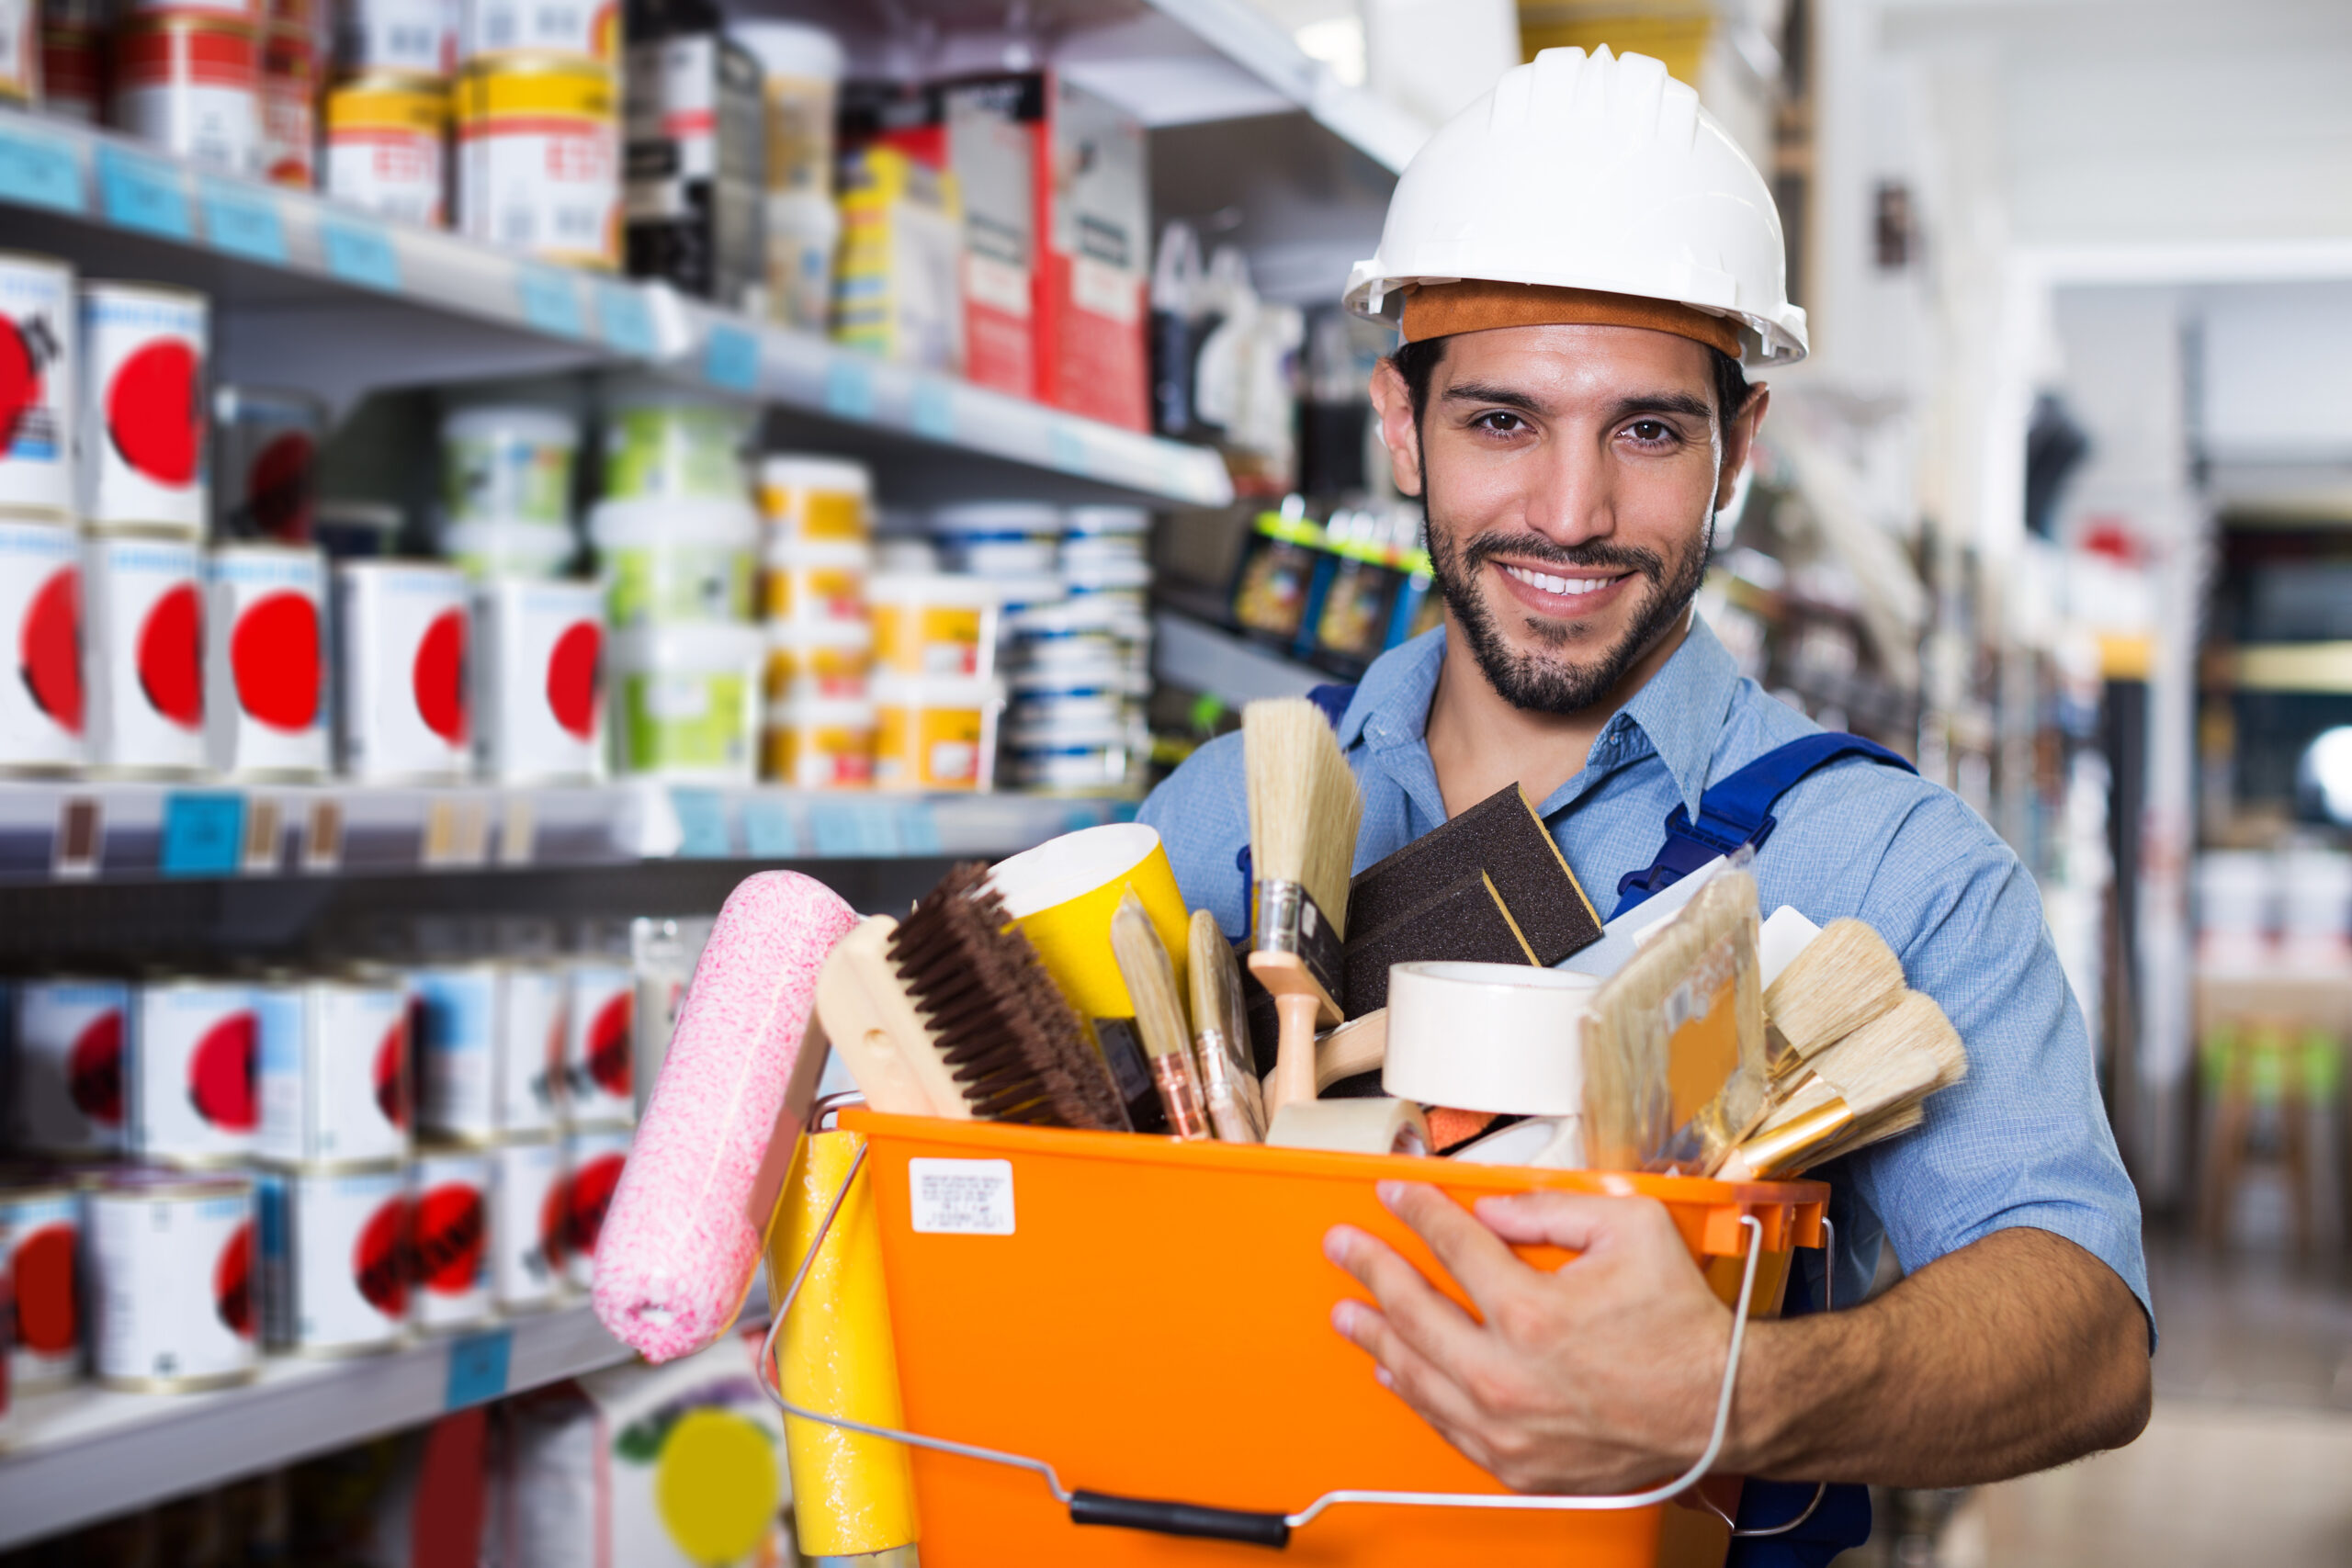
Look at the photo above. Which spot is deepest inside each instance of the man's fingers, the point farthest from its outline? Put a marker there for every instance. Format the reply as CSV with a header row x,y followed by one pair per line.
x,y
1470,1251
1577,1222
1404,1371
1428,1318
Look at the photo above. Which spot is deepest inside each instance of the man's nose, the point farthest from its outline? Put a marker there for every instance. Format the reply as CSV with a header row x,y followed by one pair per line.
x,y
1570,498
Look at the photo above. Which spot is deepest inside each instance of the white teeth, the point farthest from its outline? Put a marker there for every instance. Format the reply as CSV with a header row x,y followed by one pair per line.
x,y
1567,586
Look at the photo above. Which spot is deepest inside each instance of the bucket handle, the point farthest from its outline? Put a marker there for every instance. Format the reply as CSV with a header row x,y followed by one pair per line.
x,y
1247,1527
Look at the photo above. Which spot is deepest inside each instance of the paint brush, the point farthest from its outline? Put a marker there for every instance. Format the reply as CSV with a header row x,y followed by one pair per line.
x,y
1839,981
1864,1087
1305,810
1221,1034
1150,979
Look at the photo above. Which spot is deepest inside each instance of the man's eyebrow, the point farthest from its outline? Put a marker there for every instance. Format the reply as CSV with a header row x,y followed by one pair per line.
x,y
1479,392
1681,403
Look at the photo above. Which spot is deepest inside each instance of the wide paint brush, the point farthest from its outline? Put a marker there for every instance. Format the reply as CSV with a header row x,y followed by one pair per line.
x,y
1305,810
1150,978
1221,1036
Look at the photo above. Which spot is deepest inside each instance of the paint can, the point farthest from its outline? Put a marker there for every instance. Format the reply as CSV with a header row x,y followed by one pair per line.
x,y
171,1281
67,1097
386,147
600,1049
143,652
191,1080
20,88
142,426
412,37
593,1158
71,80
527,1223
697,141
538,683
37,404
290,96
42,712
265,661
265,486
333,1260
449,1222
334,1072
455,1019
243,12
190,84
539,159
528,1094
402,636
40,1242
583,30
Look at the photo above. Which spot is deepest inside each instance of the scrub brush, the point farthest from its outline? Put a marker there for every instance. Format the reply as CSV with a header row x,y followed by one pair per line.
x,y
1305,810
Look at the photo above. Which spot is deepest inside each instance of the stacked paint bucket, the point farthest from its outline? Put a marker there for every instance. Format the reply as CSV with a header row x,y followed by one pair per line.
x,y
938,696
143,653
816,558
227,83
1078,719
675,536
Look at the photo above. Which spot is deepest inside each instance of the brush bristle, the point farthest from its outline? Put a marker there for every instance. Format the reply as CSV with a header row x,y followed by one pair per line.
x,y
1898,1059
1005,1031
1305,806
1843,979
1150,976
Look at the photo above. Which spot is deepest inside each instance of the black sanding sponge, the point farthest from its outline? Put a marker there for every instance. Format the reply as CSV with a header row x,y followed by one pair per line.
x,y
1464,921
1502,837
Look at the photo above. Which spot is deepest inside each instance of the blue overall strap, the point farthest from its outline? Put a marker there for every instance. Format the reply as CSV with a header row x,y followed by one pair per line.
x,y
1739,810
1333,699
1842,1521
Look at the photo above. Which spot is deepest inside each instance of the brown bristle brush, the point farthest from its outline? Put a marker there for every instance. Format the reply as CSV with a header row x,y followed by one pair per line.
x,y
949,1012
1304,808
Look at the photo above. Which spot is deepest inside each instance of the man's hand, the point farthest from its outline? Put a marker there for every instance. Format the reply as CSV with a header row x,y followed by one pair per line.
x,y
2012,1354
1599,1378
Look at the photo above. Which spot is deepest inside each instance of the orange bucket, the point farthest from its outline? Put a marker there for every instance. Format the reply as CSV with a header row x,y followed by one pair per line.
x,y
1153,1319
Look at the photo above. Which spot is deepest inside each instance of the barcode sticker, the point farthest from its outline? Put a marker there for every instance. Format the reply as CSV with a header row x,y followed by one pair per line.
x,y
961,1197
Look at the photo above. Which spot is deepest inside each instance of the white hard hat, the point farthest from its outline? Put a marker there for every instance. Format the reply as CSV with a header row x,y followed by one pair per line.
x,y
1592,173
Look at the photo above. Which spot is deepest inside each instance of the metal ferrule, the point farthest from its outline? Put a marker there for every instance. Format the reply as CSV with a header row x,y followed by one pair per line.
x,y
1287,921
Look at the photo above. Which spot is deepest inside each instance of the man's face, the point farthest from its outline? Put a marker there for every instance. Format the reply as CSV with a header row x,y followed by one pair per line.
x,y
1571,475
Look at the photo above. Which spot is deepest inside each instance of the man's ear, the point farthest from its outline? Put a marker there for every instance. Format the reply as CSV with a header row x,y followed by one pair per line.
x,y
1392,406
1739,442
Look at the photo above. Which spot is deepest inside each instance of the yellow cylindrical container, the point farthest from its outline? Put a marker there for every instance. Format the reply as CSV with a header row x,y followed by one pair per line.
x,y
851,1493
1062,893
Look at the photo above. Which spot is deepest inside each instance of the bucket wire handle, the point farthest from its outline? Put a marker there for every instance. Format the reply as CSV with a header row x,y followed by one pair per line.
x,y
1244,1526
1820,1488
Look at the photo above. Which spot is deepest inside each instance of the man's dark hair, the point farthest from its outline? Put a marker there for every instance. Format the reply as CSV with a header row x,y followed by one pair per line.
x,y
1417,362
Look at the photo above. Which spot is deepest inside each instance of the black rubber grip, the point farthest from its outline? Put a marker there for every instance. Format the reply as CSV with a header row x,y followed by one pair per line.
x,y
1180,1518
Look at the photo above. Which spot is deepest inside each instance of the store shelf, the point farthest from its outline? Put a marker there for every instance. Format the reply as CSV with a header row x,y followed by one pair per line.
x,y
1203,657
129,831
2322,667
85,1453
1247,36
293,272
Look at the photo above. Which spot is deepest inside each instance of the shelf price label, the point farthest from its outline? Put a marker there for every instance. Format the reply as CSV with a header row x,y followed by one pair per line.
x,y
625,320
38,171
204,834
768,832
918,829
702,824
477,1367
361,252
732,359
849,829
549,302
142,193
1065,447
934,411
240,221
848,389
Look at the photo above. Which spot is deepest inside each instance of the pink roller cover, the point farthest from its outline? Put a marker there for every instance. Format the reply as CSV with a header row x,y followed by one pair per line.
x,y
682,1240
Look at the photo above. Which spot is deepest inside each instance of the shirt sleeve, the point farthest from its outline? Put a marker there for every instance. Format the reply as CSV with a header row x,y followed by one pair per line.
x,y
1202,814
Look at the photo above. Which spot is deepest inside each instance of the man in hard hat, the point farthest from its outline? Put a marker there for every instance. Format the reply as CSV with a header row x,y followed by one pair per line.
x,y
1582,266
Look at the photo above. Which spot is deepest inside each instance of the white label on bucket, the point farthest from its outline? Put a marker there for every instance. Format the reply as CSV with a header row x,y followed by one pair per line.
x,y
961,1197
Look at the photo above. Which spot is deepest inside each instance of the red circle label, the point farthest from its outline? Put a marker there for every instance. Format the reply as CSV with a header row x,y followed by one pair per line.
x,y
448,1235
572,678
171,655
608,1052
277,486
48,648
221,1074
155,411
379,1259
43,1266
19,378
273,660
391,1074
232,1282
439,677
94,1069
587,1197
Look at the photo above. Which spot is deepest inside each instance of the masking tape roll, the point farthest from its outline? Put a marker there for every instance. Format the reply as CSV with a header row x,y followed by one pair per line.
x,y
1062,894
852,1493
1352,1126
1506,1038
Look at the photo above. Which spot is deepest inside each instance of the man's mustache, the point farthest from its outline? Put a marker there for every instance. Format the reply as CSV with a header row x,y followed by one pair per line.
x,y
1594,556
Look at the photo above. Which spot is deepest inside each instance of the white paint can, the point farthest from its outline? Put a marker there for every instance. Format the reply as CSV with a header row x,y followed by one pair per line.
x,y
265,661
449,1221
538,679
402,639
171,1261
191,85
192,1088
599,1048
40,1244
593,1158
414,38
142,419
333,1260
457,1050
588,29
37,404
527,1223
143,652
529,1041
67,1097
334,1072
43,712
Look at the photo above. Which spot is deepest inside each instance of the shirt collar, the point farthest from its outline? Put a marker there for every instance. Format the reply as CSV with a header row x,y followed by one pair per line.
x,y
1682,711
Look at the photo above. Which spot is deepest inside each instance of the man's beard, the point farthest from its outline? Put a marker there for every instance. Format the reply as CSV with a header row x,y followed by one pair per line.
x,y
1531,680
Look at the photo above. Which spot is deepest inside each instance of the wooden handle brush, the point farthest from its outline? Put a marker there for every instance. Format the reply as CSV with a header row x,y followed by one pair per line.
x,y
1866,1087
1221,1034
1305,810
1150,976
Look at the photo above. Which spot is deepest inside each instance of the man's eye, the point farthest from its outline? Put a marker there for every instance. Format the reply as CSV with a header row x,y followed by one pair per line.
x,y
1650,432
1501,423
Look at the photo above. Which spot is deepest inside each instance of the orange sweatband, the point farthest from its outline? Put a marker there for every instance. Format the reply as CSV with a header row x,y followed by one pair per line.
x,y
1441,309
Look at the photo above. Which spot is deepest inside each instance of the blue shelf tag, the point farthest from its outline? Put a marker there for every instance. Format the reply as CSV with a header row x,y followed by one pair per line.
x,y
768,833
732,359
142,193
849,829
549,302
702,819
848,389
627,319
1067,448
37,171
204,834
934,411
918,829
243,221
361,252
477,1367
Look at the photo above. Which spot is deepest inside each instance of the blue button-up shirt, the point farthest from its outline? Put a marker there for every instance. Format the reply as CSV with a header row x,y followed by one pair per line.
x,y
2022,1141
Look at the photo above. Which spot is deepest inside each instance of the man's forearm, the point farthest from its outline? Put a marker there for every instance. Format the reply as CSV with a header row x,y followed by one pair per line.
x,y
2015,1353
